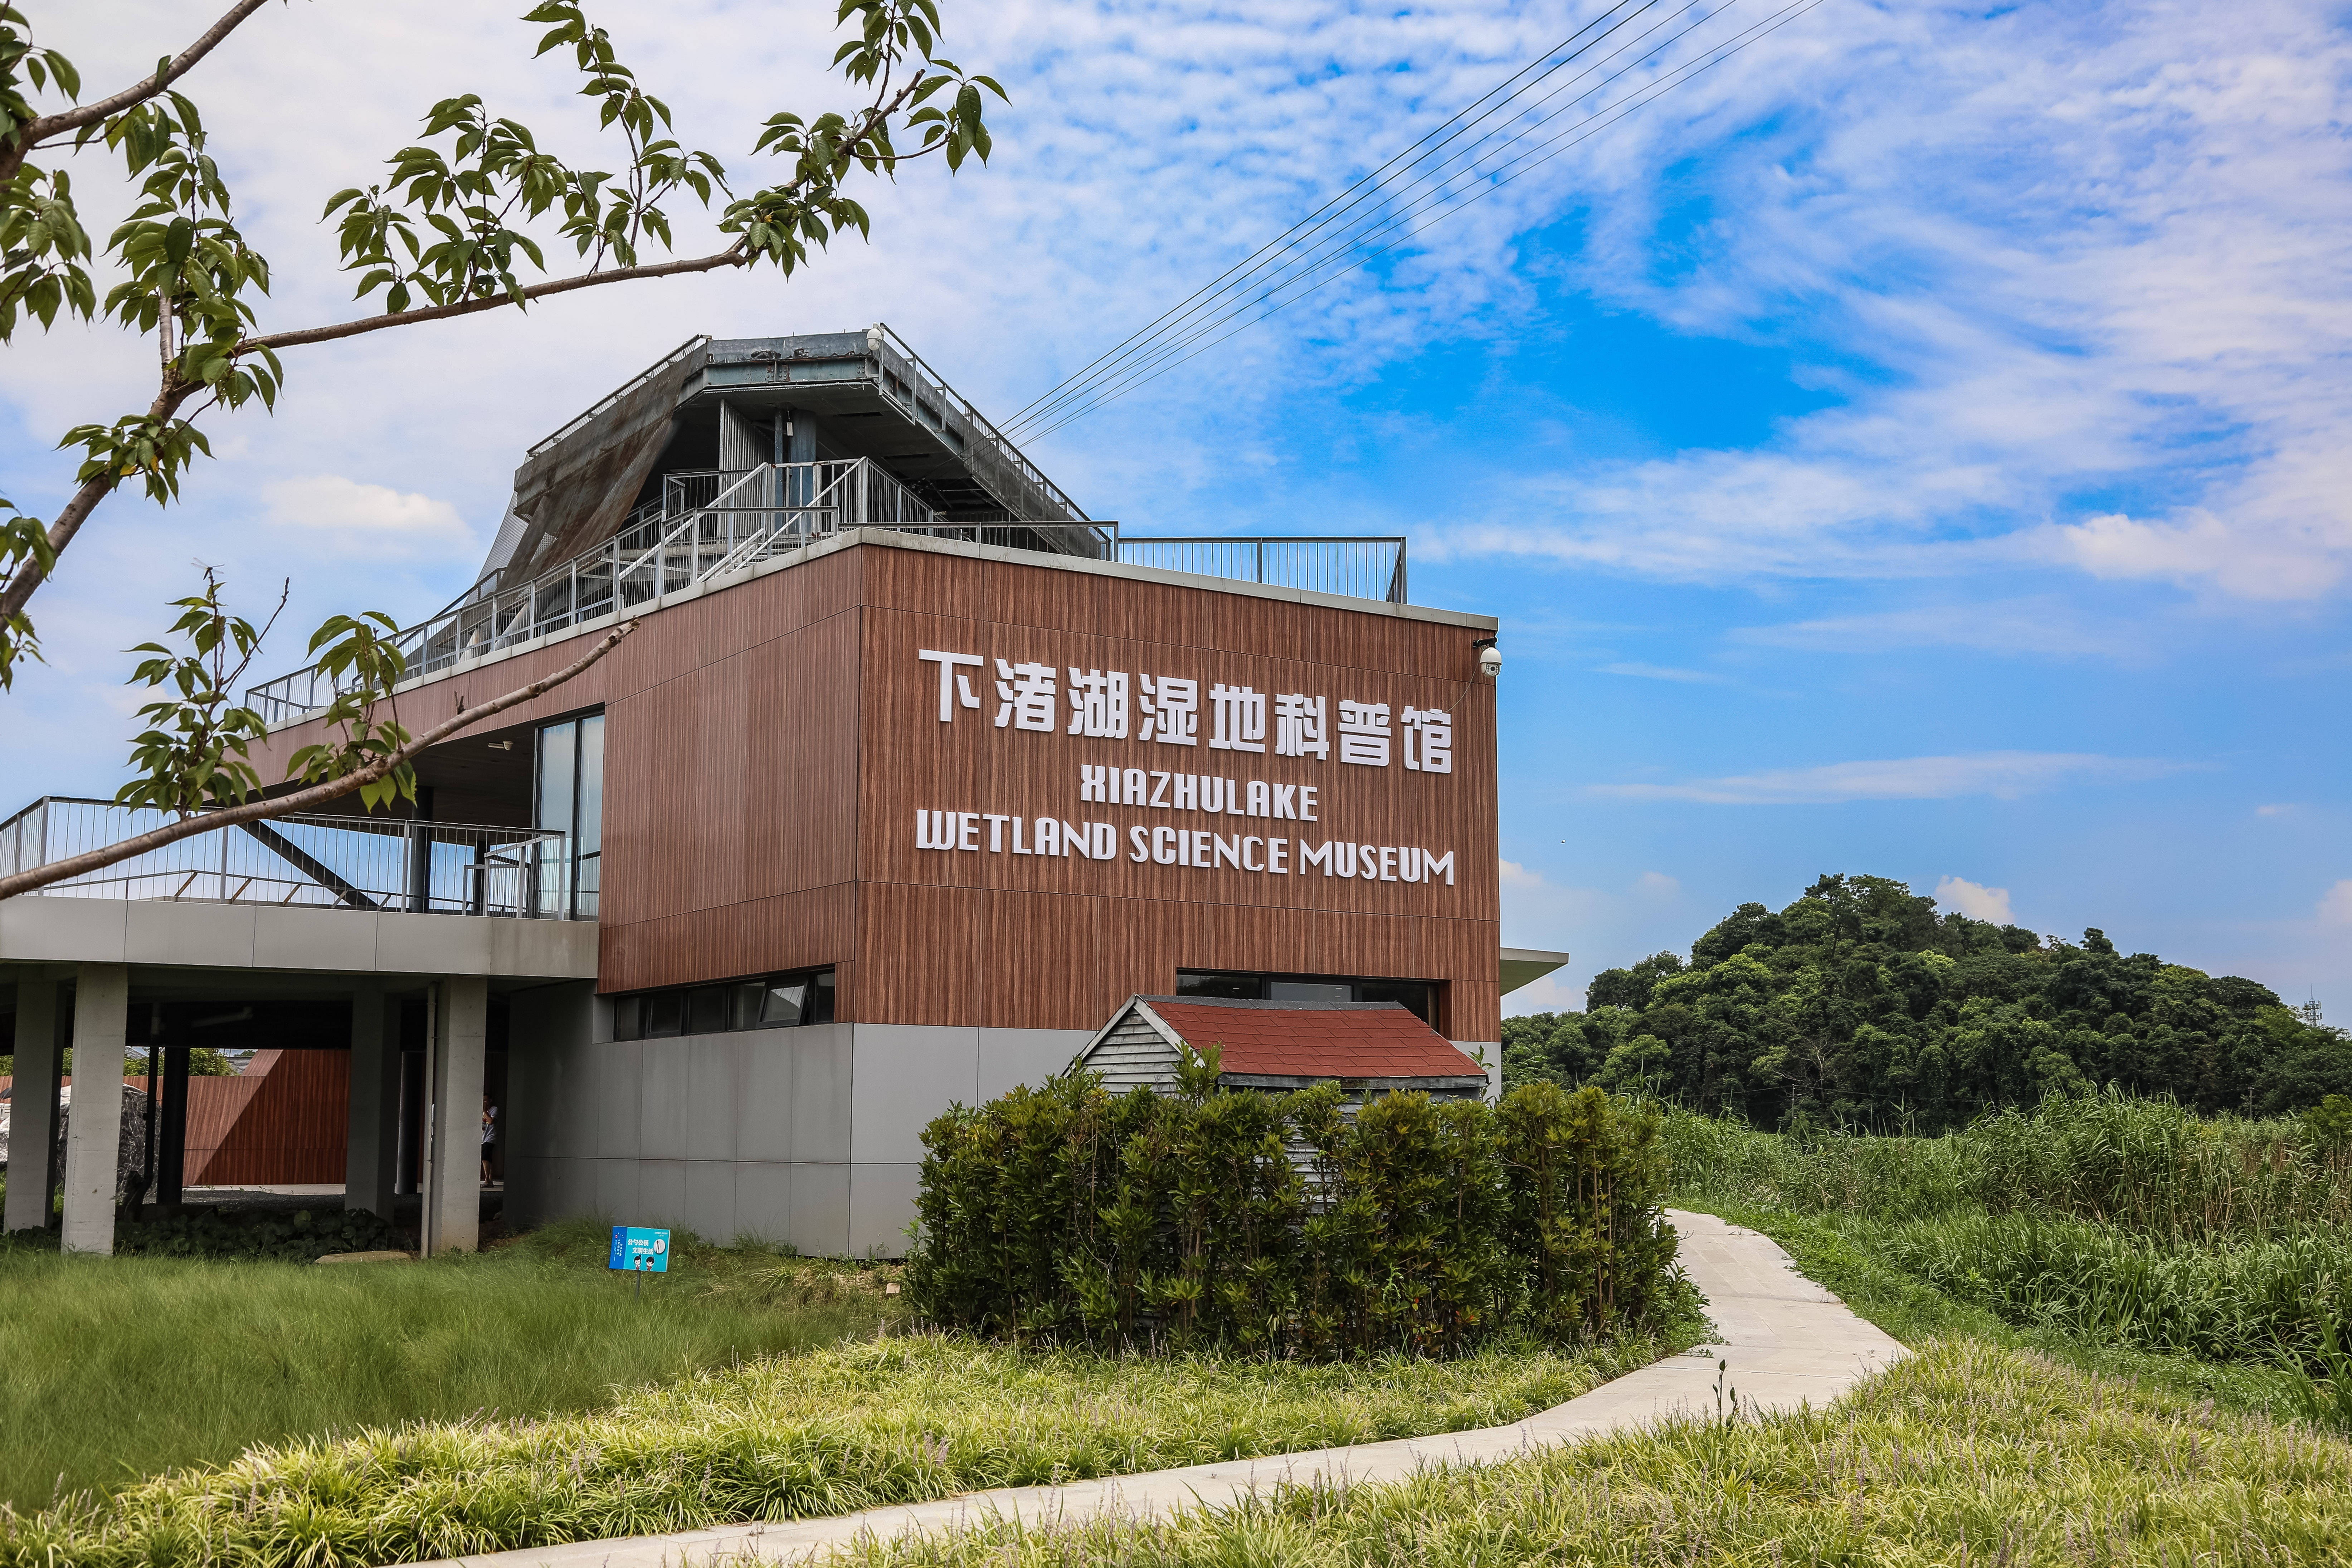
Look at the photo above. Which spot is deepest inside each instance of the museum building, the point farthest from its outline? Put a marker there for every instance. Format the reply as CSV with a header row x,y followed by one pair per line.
x,y
909,779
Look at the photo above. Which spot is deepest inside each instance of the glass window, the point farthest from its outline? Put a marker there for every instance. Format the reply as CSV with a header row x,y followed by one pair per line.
x,y
589,820
785,1002
558,755
1311,991
1241,987
570,800
779,1002
1418,996
663,1011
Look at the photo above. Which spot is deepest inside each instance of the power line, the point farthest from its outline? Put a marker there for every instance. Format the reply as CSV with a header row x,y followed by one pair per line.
x,y
1354,193
1170,339
1167,355
1150,357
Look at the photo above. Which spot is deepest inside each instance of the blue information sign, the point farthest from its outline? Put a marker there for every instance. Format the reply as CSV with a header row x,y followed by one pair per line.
x,y
640,1250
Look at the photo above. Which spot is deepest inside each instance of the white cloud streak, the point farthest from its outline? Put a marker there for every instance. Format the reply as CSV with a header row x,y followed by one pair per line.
x,y
2003,774
1662,672
2083,248
2030,626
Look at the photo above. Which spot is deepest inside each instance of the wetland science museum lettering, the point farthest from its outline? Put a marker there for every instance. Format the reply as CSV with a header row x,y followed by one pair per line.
x,y
1179,728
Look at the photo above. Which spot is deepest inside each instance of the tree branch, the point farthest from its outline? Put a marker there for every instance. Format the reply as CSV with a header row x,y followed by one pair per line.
x,y
13,151
734,255
302,799
28,575
885,104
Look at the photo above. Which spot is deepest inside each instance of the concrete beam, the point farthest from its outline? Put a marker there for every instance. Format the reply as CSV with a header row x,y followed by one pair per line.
x,y
33,1106
61,930
375,1135
459,1045
94,1130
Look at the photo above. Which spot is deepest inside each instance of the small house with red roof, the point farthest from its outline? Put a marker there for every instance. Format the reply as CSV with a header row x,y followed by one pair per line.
x,y
1367,1047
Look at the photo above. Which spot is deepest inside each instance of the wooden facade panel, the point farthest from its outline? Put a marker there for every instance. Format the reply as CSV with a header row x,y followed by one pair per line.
x,y
806,930
768,748
916,946
927,583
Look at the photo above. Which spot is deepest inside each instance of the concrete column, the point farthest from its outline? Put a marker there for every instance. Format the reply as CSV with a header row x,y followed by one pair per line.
x,y
33,1113
453,1195
374,1136
94,1130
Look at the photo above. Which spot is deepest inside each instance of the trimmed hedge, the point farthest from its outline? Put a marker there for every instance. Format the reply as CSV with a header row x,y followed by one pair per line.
x,y
1276,1224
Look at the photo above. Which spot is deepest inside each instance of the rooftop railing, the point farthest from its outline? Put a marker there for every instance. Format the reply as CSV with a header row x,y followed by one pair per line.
x,y
1357,566
708,524
327,862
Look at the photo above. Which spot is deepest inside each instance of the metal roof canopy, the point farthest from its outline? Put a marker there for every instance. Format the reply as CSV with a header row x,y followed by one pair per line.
x,y
859,395
872,397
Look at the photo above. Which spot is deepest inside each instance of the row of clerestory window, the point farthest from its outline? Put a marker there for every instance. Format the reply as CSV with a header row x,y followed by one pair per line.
x,y
774,1002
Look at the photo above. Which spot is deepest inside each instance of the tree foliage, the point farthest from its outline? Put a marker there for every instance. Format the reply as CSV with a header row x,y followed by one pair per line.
x,y
1858,1006
446,231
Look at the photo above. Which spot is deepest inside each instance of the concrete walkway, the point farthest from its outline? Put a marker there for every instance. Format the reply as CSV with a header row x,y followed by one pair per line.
x,y
1790,1343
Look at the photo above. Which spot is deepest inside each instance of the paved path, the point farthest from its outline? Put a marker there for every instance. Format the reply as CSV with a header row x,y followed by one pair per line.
x,y
1789,1342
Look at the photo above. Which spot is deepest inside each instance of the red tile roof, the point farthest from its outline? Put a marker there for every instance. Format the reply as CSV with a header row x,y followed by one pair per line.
x,y
1321,1042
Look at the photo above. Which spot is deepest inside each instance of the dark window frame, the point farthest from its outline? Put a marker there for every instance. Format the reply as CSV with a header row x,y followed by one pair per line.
x,y
681,1009
1237,979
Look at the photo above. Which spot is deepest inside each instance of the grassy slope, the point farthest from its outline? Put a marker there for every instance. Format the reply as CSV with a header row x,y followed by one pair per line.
x,y
119,1368
843,1428
1969,1453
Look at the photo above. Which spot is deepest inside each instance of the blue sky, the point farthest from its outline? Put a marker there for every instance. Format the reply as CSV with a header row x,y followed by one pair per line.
x,y
1916,447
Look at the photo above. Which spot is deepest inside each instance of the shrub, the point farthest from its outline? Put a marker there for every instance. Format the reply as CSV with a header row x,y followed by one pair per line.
x,y
1279,1225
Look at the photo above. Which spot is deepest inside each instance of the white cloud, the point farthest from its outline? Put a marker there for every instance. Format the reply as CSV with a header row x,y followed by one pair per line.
x,y
1974,899
1660,672
2024,625
340,516
1517,876
1549,995
2079,249
2004,775
2275,810
1656,885
2336,904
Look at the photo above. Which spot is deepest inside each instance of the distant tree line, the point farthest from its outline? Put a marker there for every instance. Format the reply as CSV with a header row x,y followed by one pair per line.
x,y
1859,1006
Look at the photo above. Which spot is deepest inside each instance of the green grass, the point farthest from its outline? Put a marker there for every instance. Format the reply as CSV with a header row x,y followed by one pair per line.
x,y
1968,1454
117,1368
857,1424
1846,1254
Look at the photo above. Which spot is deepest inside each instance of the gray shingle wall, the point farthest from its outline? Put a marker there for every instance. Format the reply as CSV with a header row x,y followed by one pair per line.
x,y
1134,1053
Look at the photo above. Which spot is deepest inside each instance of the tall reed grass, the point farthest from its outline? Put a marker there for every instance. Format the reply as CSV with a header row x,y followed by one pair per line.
x,y
2278,1299
852,1427
2124,1222
2147,1165
111,1369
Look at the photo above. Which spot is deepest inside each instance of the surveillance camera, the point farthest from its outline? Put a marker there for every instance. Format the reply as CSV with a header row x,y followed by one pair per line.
x,y
1490,661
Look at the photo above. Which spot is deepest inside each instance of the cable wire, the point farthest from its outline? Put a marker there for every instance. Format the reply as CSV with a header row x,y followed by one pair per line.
x,y
1148,356
1136,361
1354,193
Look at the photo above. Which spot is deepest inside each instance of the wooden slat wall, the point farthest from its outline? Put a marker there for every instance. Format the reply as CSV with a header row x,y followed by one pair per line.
x,y
767,747
1054,942
285,1121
